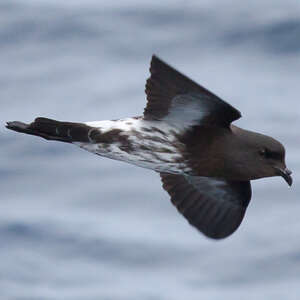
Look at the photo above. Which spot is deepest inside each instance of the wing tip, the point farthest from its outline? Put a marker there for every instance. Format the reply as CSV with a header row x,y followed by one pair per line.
x,y
229,227
154,61
154,57
16,126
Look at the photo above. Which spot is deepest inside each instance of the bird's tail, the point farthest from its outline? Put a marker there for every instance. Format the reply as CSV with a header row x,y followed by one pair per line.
x,y
53,130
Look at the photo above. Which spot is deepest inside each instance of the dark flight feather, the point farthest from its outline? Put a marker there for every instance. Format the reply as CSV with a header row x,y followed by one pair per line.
x,y
174,97
215,207
49,129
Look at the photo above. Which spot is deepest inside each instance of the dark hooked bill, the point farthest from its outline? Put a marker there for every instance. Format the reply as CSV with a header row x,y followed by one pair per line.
x,y
286,174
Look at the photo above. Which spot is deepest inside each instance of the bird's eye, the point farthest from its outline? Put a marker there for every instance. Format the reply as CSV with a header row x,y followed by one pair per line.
x,y
269,154
263,152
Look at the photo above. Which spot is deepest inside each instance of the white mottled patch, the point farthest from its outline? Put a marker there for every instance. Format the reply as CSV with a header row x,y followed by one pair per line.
x,y
107,125
153,144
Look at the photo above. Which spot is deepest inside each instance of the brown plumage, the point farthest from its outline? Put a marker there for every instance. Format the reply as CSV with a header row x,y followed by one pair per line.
x,y
186,135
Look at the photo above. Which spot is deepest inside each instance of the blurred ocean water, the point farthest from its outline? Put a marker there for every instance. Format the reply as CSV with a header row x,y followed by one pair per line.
x,y
76,226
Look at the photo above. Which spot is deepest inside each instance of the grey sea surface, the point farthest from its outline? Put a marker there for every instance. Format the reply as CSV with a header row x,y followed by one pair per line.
x,y
77,226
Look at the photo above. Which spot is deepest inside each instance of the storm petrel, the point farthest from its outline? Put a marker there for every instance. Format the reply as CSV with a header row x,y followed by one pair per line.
x,y
186,135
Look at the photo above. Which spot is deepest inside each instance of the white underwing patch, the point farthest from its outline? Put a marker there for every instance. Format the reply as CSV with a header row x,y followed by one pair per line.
x,y
186,111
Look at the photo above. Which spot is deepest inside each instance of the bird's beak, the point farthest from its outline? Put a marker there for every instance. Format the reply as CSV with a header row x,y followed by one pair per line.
x,y
286,174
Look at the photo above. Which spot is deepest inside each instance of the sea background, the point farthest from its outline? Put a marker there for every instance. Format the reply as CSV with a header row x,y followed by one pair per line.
x,y
77,226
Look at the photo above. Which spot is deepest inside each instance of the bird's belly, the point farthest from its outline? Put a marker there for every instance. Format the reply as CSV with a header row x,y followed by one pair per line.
x,y
147,144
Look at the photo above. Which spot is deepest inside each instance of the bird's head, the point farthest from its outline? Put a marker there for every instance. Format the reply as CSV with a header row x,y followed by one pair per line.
x,y
271,155
267,155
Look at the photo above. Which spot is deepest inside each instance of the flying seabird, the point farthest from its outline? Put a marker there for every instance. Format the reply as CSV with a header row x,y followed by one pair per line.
x,y
186,135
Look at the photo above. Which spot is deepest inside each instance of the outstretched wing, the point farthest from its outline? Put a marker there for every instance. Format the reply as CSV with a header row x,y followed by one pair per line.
x,y
215,207
175,98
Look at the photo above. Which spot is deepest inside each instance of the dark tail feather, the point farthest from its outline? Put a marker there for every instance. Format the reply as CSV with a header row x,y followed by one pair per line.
x,y
53,130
